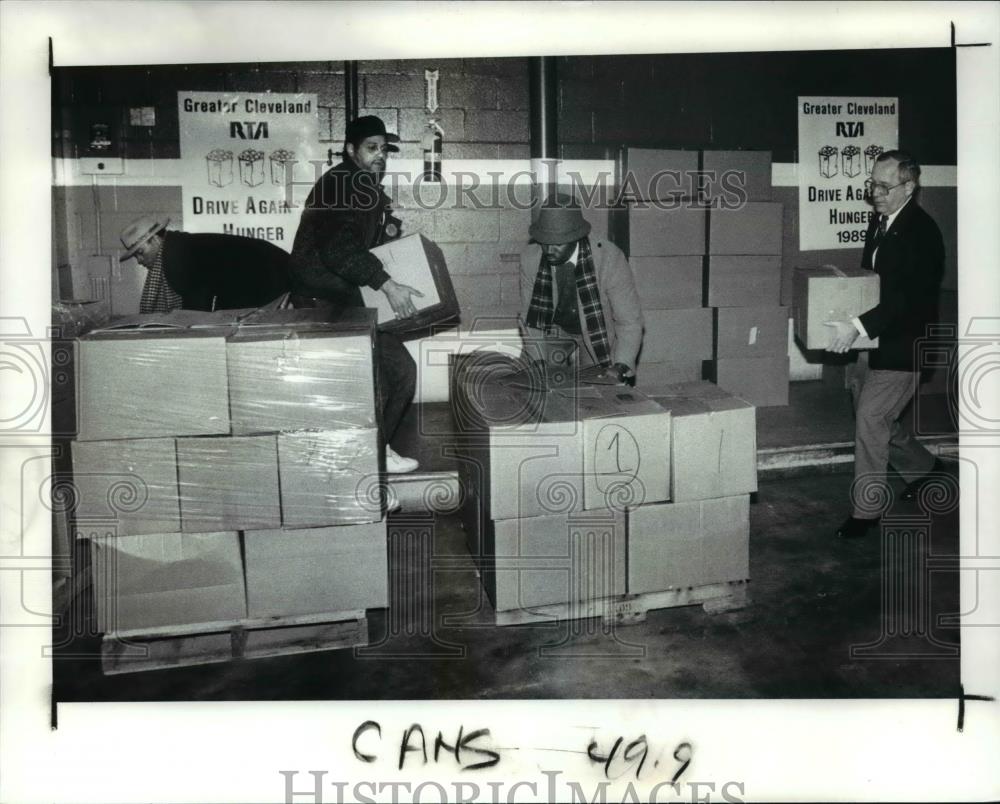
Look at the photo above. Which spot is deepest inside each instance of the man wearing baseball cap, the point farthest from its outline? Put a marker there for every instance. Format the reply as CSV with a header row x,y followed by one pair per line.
x,y
582,288
203,271
345,216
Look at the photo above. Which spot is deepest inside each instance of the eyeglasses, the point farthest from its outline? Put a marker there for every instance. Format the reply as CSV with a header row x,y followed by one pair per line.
x,y
872,186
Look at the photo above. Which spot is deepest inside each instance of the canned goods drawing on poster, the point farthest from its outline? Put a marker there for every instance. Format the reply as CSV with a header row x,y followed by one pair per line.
x,y
248,161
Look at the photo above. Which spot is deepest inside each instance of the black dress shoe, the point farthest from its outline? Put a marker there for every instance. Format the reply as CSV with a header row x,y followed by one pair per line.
x,y
911,492
855,528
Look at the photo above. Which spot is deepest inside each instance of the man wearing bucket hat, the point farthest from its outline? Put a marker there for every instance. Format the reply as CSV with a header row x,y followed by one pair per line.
x,y
202,271
576,287
345,216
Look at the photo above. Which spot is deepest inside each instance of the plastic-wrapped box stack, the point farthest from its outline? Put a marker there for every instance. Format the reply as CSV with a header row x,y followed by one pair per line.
x,y
743,278
227,468
570,496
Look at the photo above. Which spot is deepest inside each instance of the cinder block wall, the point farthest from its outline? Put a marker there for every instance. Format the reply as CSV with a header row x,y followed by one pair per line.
x,y
483,111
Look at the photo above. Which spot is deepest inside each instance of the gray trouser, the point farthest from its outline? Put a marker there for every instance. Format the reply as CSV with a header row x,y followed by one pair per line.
x,y
883,435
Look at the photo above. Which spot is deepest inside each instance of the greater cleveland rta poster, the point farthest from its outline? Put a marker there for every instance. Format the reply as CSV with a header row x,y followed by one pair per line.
x,y
839,140
248,160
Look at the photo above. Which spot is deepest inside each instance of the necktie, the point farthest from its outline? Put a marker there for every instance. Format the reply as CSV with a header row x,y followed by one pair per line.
x,y
880,232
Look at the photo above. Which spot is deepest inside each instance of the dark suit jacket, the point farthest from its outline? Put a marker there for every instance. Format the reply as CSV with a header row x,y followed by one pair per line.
x,y
910,265
345,215
234,271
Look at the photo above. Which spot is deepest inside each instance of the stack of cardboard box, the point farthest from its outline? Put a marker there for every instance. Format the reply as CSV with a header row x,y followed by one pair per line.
x,y
227,467
705,248
666,236
743,271
583,494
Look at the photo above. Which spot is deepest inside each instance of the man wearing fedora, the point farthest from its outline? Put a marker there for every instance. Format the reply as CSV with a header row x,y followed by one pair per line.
x,y
202,271
576,287
345,216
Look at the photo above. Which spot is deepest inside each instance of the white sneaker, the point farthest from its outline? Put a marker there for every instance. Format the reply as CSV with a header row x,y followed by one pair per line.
x,y
396,464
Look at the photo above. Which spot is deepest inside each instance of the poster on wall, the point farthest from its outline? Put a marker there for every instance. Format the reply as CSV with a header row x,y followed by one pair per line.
x,y
839,140
248,161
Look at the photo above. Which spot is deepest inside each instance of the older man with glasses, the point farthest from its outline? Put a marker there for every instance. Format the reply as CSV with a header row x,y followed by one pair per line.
x,y
904,247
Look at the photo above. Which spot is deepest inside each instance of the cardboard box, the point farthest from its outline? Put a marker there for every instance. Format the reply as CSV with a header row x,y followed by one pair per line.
x,y
736,176
666,283
713,449
418,262
170,579
546,560
148,384
228,483
673,335
830,293
802,364
743,281
131,484
753,228
312,377
655,173
652,378
657,232
750,331
677,545
626,448
316,570
761,381
330,477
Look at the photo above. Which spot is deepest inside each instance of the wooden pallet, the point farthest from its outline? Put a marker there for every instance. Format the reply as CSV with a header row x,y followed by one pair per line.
x,y
630,609
211,643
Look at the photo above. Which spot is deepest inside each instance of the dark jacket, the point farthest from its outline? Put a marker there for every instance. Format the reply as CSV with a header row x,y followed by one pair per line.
x,y
223,272
345,215
910,266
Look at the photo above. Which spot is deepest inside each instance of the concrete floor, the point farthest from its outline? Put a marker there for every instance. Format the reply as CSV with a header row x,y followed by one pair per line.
x,y
812,599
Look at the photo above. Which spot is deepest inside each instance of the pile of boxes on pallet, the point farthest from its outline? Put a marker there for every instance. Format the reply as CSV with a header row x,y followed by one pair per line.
x,y
227,469
577,496
705,247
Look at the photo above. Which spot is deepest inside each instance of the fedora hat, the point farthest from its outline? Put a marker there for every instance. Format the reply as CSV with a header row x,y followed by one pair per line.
x,y
140,231
559,222
369,126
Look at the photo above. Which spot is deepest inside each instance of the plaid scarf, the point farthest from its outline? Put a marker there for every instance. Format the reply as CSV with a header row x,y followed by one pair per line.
x,y
542,308
157,295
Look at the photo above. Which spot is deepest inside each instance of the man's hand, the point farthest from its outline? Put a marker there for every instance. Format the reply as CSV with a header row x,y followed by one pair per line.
x,y
399,297
625,374
844,334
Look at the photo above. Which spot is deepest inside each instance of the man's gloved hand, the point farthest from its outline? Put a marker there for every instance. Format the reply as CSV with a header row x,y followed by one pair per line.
x,y
625,375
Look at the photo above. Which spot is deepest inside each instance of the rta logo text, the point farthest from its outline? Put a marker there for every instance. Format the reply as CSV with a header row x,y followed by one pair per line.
x,y
972,367
24,374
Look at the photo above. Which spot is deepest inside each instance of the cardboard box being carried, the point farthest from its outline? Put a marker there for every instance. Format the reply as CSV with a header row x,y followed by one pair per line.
x,y
547,560
172,579
677,545
713,442
146,383
830,293
316,570
418,262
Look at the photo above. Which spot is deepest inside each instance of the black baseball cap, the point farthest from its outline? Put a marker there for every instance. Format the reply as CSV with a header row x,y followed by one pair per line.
x,y
368,126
